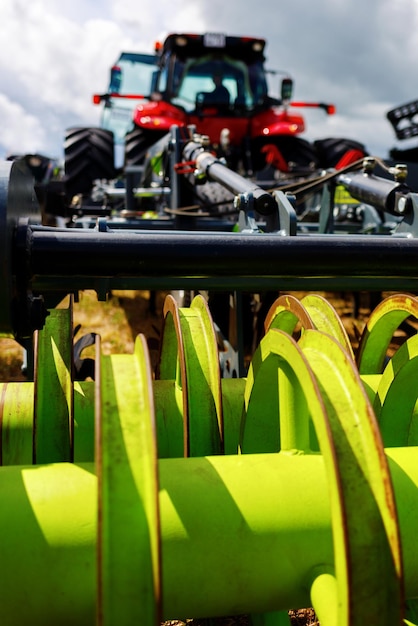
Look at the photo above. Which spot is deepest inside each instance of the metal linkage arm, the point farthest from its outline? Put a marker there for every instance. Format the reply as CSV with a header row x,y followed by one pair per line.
x,y
386,195
214,169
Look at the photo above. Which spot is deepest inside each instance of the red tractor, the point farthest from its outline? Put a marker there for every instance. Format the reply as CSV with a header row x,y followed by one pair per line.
x,y
216,84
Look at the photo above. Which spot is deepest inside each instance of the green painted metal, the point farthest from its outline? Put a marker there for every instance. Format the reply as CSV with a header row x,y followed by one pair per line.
x,y
53,410
48,570
233,406
185,536
189,356
16,422
379,330
396,400
348,437
289,314
365,526
286,313
246,547
263,524
128,555
168,398
83,421
280,381
371,383
326,319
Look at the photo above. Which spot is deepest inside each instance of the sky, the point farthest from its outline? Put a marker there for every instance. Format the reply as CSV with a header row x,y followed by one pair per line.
x,y
361,55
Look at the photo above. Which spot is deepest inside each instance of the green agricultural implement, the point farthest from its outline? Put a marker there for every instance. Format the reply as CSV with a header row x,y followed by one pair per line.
x,y
141,496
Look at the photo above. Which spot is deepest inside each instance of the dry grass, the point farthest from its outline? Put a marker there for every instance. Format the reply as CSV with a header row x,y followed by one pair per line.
x,y
118,321
11,360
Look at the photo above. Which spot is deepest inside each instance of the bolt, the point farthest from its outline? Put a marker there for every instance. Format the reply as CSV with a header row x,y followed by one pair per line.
x,y
200,176
369,163
401,208
401,172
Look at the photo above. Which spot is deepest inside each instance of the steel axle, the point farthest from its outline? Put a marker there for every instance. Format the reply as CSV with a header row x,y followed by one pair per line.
x,y
256,522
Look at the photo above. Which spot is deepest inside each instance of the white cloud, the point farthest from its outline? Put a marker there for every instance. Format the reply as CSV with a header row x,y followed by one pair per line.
x,y
23,137
359,55
52,67
155,20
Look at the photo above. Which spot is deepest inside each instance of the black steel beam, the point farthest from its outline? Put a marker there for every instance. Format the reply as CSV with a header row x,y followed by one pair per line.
x,y
148,254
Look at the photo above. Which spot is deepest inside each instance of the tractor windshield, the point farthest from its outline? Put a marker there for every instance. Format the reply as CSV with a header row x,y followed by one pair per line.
x,y
220,81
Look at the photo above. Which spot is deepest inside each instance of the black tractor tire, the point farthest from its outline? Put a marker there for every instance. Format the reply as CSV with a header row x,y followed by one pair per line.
x,y
137,143
332,149
298,153
89,155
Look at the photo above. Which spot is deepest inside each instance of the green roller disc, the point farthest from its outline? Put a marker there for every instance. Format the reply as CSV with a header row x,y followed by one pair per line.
x,y
169,418
326,319
367,586
379,330
16,423
286,313
364,582
128,552
396,400
280,396
313,311
83,421
232,405
53,405
189,355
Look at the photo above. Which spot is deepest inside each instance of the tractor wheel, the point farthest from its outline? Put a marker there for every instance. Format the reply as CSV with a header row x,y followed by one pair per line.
x,y
89,155
331,150
284,152
137,142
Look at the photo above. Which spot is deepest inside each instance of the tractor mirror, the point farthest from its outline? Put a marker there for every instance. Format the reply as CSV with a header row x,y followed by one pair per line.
x,y
287,89
115,79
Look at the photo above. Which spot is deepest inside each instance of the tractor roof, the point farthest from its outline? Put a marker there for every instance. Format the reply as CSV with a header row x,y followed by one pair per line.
x,y
192,45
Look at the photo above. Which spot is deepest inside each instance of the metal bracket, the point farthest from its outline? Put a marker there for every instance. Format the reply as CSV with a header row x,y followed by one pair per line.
x,y
246,222
286,213
408,227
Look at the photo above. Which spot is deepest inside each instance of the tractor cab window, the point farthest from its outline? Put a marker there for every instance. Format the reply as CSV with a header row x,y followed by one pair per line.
x,y
258,82
211,81
162,79
131,75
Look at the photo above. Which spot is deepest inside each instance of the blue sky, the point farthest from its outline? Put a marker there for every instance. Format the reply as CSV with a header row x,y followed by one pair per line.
x,y
360,55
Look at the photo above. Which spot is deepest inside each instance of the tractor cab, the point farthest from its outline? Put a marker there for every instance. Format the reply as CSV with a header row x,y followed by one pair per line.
x,y
214,70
